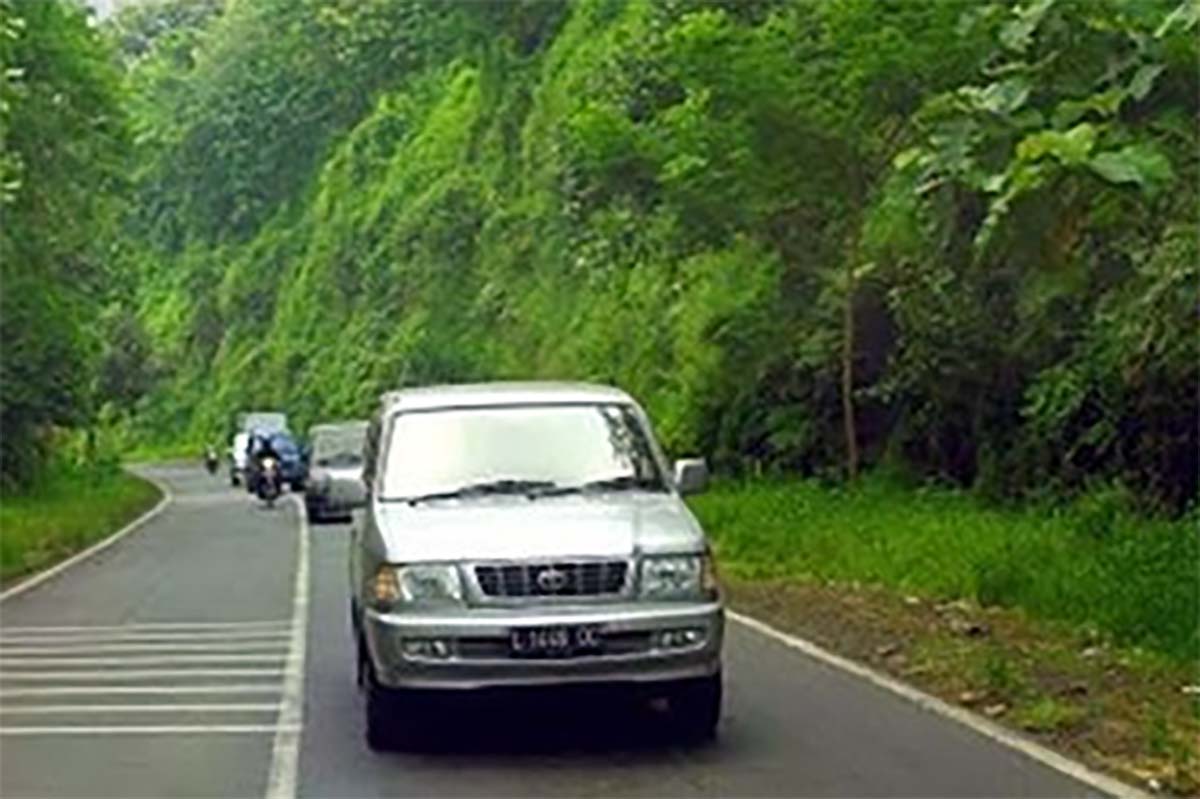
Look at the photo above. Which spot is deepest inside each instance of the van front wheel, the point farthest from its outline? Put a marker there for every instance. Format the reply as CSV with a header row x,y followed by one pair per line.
x,y
388,716
695,707
380,717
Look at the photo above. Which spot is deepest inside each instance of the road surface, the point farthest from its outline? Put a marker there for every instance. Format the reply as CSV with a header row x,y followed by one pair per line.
x,y
160,668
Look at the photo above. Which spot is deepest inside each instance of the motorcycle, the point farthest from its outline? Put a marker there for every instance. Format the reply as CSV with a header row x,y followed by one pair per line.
x,y
211,461
269,484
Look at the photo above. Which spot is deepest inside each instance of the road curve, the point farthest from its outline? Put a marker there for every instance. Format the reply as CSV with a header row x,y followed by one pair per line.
x,y
159,668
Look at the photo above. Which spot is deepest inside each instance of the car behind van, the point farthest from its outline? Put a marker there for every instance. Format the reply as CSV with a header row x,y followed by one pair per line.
x,y
335,457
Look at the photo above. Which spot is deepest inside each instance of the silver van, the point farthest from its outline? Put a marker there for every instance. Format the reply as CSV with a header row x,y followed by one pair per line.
x,y
528,534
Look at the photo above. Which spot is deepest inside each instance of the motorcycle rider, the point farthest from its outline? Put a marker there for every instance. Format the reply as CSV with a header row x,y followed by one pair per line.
x,y
260,448
211,461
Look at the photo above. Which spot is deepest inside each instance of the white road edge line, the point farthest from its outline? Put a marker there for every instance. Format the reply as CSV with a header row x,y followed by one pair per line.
x,y
157,729
38,710
180,626
285,752
86,690
270,647
42,576
138,660
122,675
144,638
988,729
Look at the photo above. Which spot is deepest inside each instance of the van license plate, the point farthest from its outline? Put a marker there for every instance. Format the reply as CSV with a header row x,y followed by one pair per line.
x,y
553,641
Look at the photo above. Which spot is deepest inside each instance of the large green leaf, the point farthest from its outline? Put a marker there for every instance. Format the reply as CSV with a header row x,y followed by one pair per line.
x,y
1143,80
1186,16
1137,163
1070,147
1001,97
1105,104
1018,33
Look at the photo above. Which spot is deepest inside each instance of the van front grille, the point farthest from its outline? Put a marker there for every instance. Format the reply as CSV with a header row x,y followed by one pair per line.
x,y
573,578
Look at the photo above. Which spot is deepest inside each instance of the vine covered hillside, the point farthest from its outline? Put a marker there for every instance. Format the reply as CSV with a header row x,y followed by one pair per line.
x,y
954,238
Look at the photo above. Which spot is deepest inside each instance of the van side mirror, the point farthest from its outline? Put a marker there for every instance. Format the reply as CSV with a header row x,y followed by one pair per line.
x,y
691,475
350,492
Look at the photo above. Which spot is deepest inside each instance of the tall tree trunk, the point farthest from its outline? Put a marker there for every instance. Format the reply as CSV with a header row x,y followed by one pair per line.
x,y
849,428
858,187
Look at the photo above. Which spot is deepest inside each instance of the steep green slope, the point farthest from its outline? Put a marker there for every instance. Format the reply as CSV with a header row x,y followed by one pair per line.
x,y
954,235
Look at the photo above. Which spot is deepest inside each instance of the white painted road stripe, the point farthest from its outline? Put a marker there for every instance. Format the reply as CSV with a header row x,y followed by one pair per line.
x,y
139,660
84,690
168,626
145,637
157,729
41,577
984,727
38,710
69,649
285,752
118,675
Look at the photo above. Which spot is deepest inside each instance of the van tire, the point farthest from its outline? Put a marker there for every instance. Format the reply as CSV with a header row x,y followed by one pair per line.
x,y
388,716
381,732
695,707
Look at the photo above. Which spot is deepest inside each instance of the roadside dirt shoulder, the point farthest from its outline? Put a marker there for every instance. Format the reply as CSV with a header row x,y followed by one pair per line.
x,y
1127,712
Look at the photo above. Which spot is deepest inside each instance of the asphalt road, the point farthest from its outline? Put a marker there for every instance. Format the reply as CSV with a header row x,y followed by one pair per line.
x,y
160,668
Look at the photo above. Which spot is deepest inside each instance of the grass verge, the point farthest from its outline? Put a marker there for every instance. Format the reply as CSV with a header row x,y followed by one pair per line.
x,y
1076,625
162,452
64,513
1094,564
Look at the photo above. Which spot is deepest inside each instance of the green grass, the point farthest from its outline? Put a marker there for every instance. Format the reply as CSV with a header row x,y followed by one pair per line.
x,y
1092,564
1000,675
1047,715
64,513
164,451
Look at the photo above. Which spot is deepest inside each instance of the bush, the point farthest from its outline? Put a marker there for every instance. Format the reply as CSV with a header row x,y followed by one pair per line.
x,y
1090,563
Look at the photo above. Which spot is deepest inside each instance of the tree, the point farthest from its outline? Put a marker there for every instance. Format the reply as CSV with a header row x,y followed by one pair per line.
x,y
62,149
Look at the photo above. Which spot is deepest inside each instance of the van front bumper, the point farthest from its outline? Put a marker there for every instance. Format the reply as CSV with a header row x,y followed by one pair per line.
x,y
471,648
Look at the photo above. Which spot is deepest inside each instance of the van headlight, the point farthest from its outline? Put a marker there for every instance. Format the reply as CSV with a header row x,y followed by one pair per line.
x,y
426,583
678,577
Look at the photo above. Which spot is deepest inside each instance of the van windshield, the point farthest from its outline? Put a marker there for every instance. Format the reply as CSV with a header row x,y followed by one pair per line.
x,y
517,449
339,447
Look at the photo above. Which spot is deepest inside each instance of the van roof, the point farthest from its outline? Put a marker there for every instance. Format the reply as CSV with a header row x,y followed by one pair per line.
x,y
501,393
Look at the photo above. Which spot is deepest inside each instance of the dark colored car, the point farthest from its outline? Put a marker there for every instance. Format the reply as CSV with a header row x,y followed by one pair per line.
x,y
292,466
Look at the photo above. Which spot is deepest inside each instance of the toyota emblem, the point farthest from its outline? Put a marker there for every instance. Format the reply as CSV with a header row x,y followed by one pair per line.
x,y
551,580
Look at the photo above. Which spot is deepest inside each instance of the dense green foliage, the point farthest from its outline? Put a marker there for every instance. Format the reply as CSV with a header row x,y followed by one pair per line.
x,y
62,147
1093,563
65,511
977,217
957,238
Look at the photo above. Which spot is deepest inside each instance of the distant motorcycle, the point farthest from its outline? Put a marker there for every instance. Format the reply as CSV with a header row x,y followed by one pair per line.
x,y
211,461
269,481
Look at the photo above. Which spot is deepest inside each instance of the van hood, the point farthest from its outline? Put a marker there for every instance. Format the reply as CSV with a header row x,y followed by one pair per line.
x,y
348,472
511,528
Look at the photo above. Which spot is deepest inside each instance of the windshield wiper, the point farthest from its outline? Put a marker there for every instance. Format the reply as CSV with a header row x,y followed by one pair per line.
x,y
506,486
626,482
